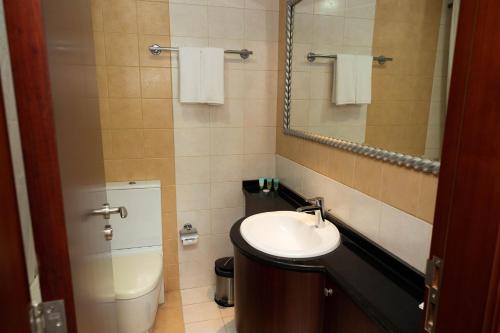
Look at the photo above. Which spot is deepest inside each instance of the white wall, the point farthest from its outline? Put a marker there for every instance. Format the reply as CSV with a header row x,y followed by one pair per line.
x,y
217,147
17,157
404,235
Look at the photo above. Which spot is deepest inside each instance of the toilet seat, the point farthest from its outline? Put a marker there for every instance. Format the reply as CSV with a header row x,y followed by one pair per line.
x,y
137,274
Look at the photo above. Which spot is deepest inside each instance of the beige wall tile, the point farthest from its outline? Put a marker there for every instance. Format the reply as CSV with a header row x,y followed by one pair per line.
x,y
123,81
341,166
170,226
127,143
157,113
162,169
149,60
120,16
104,113
122,49
368,176
125,113
124,170
170,247
102,81
168,199
96,7
153,18
156,82
99,48
427,198
158,142
107,144
401,187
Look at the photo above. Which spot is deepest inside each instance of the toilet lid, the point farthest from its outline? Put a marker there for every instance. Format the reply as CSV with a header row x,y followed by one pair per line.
x,y
136,275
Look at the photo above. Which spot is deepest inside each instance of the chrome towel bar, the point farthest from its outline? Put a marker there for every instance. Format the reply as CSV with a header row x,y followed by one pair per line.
x,y
311,56
156,49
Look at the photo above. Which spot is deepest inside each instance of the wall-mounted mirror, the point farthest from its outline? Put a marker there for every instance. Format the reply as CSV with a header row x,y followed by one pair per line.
x,y
396,109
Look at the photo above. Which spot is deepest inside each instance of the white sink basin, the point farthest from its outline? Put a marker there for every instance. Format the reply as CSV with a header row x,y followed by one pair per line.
x,y
289,234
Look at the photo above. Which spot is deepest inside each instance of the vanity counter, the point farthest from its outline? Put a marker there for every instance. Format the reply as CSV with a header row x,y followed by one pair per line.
x,y
385,289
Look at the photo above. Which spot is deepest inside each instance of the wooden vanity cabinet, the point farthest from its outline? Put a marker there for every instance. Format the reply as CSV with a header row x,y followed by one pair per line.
x,y
341,315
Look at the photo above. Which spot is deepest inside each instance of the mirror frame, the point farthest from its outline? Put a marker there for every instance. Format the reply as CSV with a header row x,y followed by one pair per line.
x,y
409,161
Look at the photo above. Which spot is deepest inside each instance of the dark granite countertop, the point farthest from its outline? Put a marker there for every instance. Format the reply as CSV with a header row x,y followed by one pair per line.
x,y
386,289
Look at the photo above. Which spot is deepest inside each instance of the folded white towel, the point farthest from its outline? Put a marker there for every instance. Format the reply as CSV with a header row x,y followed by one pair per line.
x,y
189,75
344,80
201,75
364,65
212,75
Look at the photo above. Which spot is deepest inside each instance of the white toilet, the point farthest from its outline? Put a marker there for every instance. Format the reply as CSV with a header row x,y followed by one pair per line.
x,y
137,254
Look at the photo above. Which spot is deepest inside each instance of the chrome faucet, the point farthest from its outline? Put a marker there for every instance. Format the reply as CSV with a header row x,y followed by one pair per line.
x,y
317,206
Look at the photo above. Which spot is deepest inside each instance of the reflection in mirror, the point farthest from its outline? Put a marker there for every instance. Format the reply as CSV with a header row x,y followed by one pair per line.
x,y
407,107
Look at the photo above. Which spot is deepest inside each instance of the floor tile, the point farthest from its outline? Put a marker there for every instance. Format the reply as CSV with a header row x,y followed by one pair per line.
x,y
229,324
201,312
169,319
226,312
208,326
198,295
173,299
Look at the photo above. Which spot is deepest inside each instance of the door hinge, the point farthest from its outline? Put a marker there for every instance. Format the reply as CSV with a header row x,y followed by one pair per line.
x,y
48,317
433,285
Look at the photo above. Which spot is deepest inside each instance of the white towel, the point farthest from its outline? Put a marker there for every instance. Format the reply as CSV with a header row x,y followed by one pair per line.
x,y
189,74
212,75
201,75
364,65
344,81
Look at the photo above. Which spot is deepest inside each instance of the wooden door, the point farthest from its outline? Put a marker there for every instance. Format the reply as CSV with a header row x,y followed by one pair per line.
x,y
14,290
467,221
54,74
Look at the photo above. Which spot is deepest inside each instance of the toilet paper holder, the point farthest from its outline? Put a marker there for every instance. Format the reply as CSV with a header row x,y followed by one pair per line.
x,y
189,234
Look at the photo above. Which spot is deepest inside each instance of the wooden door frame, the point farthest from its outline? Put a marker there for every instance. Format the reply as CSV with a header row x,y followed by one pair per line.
x,y
14,284
466,225
25,30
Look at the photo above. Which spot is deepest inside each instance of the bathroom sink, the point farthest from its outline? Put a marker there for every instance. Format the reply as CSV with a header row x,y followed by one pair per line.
x,y
289,234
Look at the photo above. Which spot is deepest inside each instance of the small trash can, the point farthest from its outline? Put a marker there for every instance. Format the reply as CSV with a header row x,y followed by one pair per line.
x,y
224,289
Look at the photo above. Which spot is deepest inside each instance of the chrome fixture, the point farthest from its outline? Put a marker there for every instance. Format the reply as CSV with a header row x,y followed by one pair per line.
x,y
156,49
311,56
106,211
317,206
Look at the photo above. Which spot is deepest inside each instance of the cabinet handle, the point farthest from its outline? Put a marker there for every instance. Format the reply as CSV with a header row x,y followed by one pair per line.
x,y
328,292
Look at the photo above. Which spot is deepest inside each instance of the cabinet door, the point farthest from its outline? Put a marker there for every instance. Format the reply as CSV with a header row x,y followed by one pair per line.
x,y
343,316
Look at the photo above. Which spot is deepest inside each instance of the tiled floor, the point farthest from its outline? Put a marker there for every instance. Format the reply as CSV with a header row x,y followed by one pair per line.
x,y
194,311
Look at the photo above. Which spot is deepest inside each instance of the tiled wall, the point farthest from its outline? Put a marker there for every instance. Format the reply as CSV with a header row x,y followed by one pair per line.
x,y
216,147
411,192
136,104
402,234
408,31
328,27
437,113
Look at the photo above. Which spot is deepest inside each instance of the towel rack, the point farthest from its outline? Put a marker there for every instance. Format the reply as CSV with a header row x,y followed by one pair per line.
x,y
156,49
311,56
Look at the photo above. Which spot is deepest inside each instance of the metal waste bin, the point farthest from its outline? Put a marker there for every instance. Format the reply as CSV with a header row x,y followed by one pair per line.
x,y
224,290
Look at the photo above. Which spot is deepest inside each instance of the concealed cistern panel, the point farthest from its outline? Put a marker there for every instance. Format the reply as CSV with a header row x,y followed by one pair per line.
x,y
143,226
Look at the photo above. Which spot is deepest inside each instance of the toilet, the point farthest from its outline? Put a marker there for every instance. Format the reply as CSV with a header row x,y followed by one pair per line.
x,y
137,254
